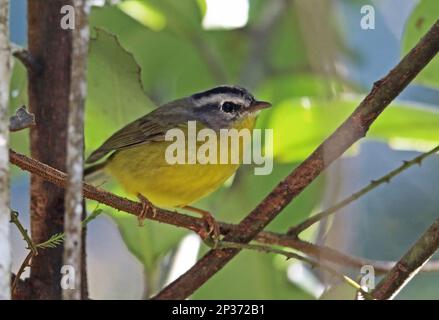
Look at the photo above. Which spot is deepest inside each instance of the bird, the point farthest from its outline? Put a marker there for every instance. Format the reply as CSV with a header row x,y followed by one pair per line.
x,y
135,155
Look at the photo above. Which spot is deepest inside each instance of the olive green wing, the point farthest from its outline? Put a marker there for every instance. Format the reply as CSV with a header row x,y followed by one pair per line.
x,y
151,127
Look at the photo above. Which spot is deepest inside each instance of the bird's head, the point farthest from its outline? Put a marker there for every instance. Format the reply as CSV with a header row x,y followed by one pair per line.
x,y
226,106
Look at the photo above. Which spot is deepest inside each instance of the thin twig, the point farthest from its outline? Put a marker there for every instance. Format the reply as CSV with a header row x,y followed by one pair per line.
x,y
292,255
332,255
296,230
23,231
30,245
52,242
24,265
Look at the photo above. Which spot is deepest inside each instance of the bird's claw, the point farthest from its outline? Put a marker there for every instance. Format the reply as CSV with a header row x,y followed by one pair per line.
x,y
212,236
147,209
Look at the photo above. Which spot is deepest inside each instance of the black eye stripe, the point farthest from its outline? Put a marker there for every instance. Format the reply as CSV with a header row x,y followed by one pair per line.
x,y
230,107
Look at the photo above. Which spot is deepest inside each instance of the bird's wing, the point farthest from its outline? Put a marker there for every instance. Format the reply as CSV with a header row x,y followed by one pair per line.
x,y
151,127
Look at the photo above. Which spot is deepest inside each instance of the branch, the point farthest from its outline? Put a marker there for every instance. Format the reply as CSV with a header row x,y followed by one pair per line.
x,y
52,242
332,255
24,288
292,255
26,263
196,224
30,245
23,232
48,92
409,265
296,230
353,129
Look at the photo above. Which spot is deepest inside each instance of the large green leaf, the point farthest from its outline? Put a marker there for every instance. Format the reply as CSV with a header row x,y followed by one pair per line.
x,y
420,21
301,124
115,93
150,242
171,65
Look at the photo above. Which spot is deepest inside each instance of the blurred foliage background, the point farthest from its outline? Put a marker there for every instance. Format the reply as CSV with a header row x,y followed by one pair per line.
x,y
314,62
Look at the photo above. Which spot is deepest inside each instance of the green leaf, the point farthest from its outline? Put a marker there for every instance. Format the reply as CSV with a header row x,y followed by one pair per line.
x,y
150,242
58,238
52,242
115,93
281,87
172,65
420,21
300,125
252,275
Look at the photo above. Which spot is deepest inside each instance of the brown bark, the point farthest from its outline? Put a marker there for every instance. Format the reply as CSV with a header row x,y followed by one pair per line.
x,y
409,265
197,224
75,151
49,88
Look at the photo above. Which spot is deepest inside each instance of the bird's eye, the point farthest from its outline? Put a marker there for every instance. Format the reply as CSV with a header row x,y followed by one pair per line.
x,y
230,107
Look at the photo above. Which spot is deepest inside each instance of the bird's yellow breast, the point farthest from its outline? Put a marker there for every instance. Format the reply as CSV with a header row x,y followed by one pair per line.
x,y
143,169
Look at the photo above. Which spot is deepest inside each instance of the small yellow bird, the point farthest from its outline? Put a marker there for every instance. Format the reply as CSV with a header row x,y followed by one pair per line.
x,y
138,161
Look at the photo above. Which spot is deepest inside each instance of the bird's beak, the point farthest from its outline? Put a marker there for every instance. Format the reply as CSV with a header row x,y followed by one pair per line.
x,y
259,105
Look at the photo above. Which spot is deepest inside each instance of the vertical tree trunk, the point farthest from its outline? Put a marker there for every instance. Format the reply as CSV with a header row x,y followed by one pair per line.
x,y
75,149
49,90
5,75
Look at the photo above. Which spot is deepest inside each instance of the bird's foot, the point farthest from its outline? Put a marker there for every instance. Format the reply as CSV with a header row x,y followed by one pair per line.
x,y
212,236
147,209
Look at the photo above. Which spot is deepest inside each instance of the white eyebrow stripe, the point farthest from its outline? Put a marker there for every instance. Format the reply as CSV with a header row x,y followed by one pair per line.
x,y
219,99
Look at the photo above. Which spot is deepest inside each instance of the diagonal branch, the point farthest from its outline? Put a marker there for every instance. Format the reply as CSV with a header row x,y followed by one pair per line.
x,y
292,255
353,129
409,265
331,255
